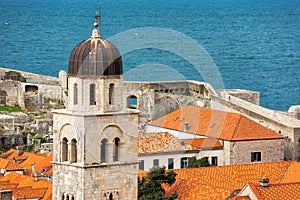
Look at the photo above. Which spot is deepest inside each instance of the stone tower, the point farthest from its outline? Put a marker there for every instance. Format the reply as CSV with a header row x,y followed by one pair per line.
x,y
95,137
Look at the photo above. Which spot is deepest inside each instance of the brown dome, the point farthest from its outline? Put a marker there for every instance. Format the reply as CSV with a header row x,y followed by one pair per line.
x,y
95,57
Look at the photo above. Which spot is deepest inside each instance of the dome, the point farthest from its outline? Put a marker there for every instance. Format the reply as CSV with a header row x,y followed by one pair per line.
x,y
95,57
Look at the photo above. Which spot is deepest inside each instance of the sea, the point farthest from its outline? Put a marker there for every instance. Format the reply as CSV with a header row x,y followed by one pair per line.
x,y
244,44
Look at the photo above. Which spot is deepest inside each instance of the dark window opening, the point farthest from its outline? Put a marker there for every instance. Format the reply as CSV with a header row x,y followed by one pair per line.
x,y
116,149
73,151
92,94
64,150
110,196
255,156
214,161
183,162
31,88
170,163
141,165
155,163
103,150
111,94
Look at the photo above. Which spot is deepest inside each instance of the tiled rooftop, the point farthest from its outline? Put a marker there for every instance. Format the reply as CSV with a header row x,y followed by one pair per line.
x,y
9,165
223,180
290,191
216,124
25,186
204,143
160,142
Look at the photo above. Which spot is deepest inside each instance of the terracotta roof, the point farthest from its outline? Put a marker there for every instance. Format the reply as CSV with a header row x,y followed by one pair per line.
x,y
9,165
204,143
288,191
29,193
45,164
160,142
31,158
216,124
241,198
23,181
223,180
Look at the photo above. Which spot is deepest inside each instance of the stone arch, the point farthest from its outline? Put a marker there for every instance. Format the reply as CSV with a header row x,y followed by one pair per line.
x,y
132,102
111,95
3,96
73,158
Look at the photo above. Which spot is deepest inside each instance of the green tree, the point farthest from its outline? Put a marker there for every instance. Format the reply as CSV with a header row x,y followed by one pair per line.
x,y
150,186
194,163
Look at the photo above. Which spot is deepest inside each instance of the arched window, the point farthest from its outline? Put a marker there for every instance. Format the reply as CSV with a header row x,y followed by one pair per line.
x,y
62,196
103,150
64,150
92,94
116,149
110,196
75,94
132,102
111,94
73,151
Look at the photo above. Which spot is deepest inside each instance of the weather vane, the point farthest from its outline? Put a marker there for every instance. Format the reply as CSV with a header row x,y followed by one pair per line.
x,y
98,20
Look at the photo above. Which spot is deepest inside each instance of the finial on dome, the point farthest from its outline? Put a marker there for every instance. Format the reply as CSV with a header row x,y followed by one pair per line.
x,y
96,32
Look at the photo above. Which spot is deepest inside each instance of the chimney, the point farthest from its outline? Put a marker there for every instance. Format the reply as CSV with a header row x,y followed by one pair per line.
x,y
186,126
264,182
33,173
20,150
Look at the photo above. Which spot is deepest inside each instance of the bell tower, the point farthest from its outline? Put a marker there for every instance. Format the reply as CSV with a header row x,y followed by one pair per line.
x,y
95,137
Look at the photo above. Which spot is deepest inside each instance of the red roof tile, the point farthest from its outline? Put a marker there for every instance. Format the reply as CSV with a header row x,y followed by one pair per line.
x,y
9,165
288,191
216,124
223,180
204,143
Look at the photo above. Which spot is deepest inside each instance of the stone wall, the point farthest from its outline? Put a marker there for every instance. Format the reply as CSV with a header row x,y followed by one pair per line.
x,y
277,121
247,95
239,152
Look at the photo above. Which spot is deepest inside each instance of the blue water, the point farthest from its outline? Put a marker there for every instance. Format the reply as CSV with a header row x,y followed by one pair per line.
x,y
254,43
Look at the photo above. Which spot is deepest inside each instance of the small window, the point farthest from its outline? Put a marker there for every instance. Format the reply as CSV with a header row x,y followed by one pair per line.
x,y
214,161
141,165
255,156
103,150
75,95
155,163
183,162
92,94
116,149
64,150
111,94
132,102
170,163
73,151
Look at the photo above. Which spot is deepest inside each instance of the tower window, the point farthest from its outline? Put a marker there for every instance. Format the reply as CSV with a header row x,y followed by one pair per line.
x,y
116,149
103,150
64,150
73,151
92,94
132,102
111,94
75,94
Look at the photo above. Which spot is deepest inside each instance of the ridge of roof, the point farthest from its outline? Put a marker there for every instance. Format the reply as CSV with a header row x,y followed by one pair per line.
x,y
236,125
